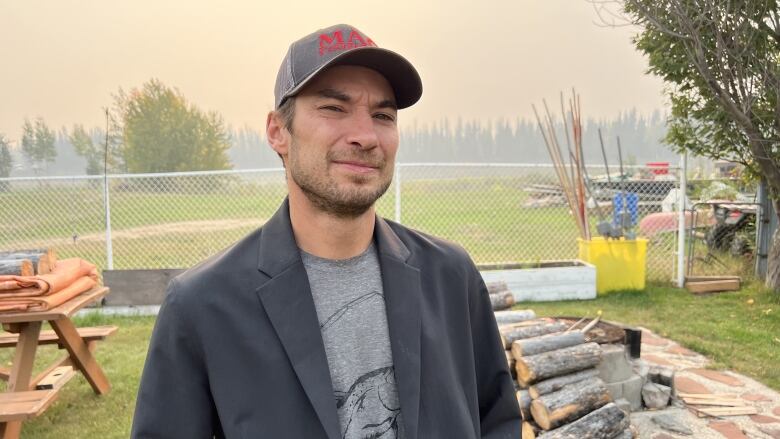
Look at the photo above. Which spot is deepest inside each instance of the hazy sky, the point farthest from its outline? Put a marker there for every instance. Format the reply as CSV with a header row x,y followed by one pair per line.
x,y
63,59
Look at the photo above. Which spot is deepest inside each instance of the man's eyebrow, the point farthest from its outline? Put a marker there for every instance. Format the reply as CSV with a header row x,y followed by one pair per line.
x,y
388,103
343,97
334,94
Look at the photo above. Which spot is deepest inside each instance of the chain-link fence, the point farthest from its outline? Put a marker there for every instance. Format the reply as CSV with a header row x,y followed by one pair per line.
x,y
517,213
723,228
499,212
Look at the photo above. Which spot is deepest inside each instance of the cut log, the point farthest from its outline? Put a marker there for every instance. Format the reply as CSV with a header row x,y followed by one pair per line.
x,y
496,287
529,430
514,316
502,300
35,251
604,423
511,363
17,267
570,403
509,327
531,331
546,343
557,383
43,260
556,363
524,401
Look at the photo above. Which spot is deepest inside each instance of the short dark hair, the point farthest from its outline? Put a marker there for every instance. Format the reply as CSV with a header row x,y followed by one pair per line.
x,y
287,112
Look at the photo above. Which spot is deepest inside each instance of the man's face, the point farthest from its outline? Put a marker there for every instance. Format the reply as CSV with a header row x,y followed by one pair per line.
x,y
344,140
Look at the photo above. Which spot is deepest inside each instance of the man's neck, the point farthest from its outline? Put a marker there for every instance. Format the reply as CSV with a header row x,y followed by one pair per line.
x,y
328,236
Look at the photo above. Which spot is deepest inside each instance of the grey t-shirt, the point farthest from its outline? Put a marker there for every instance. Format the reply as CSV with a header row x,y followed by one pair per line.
x,y
350,306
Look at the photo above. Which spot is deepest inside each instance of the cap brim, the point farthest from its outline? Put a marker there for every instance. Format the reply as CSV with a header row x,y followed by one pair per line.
x,y
399,72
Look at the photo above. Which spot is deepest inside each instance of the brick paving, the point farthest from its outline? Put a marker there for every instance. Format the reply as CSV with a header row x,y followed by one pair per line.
x,y
692,376
763,419
774,433
728,429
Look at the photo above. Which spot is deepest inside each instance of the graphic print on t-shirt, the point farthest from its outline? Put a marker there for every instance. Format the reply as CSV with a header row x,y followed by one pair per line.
x,y
370,405
370,394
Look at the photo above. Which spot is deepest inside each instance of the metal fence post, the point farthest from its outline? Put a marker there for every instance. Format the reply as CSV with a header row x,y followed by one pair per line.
x,y
107,202
681,227
398,193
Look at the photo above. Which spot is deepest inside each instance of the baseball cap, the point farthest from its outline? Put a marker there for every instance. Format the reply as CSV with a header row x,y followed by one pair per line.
x,y
343,44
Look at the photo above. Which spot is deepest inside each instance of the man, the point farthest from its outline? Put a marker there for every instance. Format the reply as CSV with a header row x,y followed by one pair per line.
x,y
330,322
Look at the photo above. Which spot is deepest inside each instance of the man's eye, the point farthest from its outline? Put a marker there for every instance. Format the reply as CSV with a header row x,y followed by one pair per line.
x,y
331,108
385,116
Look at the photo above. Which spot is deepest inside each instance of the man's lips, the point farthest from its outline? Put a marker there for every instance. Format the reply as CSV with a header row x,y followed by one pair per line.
x,y
356,166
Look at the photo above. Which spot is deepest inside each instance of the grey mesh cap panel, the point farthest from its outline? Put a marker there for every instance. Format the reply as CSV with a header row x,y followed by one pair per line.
x,y
344,45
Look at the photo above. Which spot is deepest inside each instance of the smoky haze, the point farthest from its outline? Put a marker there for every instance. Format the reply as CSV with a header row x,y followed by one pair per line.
x,y
480,61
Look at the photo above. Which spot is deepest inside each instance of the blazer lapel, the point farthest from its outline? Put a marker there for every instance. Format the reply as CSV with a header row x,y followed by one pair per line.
x,y
402,289
287,300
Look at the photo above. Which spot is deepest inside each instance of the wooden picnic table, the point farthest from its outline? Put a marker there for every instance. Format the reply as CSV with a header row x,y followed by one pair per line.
x,y
27,396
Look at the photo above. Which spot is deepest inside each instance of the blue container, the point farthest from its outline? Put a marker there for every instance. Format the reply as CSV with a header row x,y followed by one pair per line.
x,y
632,206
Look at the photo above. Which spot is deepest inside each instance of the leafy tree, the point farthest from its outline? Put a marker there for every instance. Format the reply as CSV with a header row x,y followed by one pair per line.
x,y
92,152
721,63
38,144
162,132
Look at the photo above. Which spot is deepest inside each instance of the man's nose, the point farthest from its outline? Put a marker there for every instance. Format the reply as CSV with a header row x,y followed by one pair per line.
x,y
362,131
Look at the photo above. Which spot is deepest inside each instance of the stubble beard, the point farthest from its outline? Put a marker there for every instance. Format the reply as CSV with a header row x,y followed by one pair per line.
x,y
326,195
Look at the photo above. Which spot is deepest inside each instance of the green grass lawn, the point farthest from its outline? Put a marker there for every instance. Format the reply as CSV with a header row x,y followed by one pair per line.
x,y
737,334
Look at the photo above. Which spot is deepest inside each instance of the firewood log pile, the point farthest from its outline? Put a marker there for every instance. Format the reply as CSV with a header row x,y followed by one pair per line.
x,y
34,280
560,393
500,296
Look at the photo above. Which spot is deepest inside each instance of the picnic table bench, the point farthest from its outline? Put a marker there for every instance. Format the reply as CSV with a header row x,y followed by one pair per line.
x,y
26,396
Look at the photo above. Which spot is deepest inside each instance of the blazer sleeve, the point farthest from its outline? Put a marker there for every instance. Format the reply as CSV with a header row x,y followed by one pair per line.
x,y
498,409
174,400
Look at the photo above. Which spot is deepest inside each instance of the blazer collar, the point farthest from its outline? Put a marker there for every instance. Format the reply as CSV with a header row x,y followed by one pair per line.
x,y
287,300
278,249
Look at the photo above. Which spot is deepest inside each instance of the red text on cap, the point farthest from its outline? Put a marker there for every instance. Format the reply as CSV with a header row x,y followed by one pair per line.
x,y
333,43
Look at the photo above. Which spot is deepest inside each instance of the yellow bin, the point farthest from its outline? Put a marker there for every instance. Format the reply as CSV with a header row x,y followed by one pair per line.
x,y
620,264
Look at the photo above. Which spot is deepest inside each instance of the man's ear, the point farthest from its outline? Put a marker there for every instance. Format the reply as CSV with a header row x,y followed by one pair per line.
x,y
277,134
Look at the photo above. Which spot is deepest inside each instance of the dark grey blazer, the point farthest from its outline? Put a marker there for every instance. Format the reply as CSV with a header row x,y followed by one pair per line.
x,y
237,351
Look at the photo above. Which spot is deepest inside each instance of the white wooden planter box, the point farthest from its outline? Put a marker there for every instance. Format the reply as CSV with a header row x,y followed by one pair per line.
x,y
545,281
